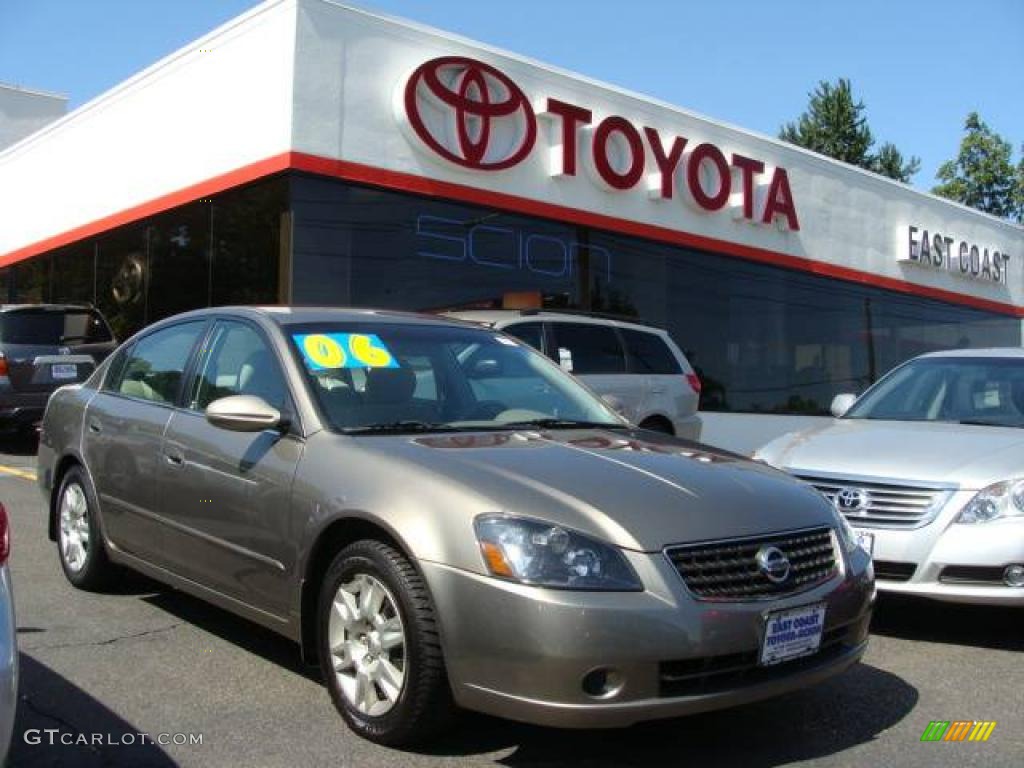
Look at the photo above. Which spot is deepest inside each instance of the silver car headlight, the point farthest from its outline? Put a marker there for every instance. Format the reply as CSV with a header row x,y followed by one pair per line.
x,y
1005,499
545,555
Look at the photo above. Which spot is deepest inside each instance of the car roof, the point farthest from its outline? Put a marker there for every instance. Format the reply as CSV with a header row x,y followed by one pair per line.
x,y
295,315
1007,352
494,316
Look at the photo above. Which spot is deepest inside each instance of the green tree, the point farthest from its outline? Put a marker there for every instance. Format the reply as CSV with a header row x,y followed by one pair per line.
x,y
834,124
1020,187
982,175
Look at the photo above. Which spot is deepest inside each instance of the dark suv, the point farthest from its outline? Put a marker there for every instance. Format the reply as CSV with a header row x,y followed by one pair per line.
x,y
43,346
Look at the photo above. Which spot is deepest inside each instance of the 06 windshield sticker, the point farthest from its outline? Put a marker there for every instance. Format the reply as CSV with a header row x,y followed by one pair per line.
x,y
321,351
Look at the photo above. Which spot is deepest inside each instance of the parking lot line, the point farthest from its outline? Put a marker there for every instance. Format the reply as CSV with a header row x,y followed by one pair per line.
x,y
24,474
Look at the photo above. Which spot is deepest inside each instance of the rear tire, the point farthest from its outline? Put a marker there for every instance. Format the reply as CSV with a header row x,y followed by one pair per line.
x,y
380,652
83,556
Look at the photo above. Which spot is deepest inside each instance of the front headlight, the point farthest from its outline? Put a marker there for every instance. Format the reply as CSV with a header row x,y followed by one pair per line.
x,y
1005,499
546,555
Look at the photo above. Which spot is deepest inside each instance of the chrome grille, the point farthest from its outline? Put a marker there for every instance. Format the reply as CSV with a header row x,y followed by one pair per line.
x,y
728,570
880,504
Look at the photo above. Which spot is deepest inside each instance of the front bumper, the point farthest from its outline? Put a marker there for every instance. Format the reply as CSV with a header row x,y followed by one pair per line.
x,y
944,560
522,653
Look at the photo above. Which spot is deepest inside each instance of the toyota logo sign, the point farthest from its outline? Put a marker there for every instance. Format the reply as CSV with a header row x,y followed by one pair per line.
x,y
852,499
470,113
773,563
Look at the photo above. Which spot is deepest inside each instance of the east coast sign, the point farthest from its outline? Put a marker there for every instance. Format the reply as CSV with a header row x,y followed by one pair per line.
x,y
471,115
958,256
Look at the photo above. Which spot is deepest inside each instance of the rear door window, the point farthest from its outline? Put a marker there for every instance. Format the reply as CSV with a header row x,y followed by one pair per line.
x,y
531,333
53,327
156,363
648,353
582,348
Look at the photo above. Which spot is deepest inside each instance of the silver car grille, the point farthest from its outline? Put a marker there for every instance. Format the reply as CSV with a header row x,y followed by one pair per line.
x,y
728,570
881,504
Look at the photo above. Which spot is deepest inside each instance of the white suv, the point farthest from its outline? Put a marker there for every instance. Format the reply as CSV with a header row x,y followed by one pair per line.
x,y
638,364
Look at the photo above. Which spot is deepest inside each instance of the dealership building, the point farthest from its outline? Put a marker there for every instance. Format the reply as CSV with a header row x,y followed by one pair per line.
x,y
312,153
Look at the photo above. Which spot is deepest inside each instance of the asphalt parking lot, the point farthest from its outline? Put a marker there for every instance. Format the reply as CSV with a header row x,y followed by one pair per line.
x,y
151,660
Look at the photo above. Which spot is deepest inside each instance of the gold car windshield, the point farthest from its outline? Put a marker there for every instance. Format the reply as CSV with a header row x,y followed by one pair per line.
x,y
420,377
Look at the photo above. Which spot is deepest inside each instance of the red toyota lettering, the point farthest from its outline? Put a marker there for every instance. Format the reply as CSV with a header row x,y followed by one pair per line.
x,y
780,201
572,117
667,163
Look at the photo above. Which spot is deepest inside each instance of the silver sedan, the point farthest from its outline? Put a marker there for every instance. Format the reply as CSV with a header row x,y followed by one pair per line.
x,y
441,517
928,466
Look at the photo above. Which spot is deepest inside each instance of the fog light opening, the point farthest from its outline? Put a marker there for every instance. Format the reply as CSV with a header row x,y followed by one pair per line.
x,y
603,683
1013,576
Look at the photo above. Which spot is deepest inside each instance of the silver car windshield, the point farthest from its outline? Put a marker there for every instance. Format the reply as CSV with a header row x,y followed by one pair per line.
x,y
381,378
968,390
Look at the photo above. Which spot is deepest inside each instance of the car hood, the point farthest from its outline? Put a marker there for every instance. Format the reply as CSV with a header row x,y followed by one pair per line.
x,y
971,457
638,491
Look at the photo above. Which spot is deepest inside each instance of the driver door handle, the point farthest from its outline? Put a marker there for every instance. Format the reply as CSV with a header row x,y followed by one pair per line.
x,y
175,458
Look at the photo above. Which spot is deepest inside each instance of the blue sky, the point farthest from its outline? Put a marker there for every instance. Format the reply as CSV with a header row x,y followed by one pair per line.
x,y
920,66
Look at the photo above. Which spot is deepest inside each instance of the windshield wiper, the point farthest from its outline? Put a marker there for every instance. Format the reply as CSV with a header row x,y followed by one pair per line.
x,y
982,423
555,423
399,427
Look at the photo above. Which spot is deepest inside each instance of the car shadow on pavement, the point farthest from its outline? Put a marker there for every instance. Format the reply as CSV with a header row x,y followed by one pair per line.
x,y
234,629
981,626
58,723
850,709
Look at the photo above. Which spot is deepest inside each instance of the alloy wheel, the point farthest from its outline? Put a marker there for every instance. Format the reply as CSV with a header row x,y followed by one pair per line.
x,y
74,527
368,645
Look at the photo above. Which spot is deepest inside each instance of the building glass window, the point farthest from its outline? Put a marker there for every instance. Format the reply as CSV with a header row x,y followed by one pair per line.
x,y
179,261
248,251
31,280
72,278
763,339
122,278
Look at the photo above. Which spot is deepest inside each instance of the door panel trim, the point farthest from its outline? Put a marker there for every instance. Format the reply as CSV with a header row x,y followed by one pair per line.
x,y
189,531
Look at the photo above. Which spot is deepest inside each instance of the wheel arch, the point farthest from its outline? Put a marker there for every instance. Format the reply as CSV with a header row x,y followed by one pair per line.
x,y
334,537
660,419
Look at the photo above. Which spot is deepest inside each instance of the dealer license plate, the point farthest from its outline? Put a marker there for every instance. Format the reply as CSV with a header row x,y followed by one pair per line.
x,y
792,633
64,371
866,540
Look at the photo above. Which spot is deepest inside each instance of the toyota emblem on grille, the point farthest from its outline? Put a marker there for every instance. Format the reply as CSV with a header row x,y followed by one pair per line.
x,y
773,563
852,499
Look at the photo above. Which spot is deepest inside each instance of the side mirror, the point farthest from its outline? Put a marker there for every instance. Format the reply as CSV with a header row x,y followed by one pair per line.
x,y
243,413
842,403
615,403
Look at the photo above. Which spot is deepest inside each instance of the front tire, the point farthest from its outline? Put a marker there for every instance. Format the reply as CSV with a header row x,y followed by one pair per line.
x,y
380,652
83,558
